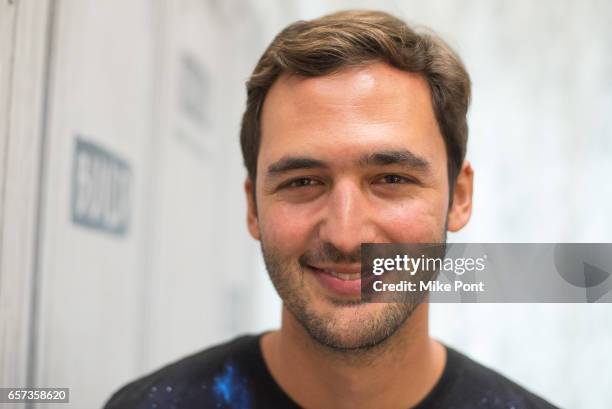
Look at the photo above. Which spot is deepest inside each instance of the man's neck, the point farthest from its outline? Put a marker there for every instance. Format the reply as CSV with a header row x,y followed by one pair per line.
x,y
398,373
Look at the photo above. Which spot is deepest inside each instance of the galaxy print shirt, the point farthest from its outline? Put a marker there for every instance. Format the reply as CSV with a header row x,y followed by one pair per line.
x,y
234,376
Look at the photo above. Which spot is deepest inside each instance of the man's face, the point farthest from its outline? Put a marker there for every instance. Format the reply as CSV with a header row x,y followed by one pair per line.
x,y
350,158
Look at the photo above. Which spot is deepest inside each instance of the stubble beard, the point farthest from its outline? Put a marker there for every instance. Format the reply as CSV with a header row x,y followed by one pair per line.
x,y
366,330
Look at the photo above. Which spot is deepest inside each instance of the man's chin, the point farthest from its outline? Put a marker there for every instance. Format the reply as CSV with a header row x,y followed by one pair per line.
x,y
349,325
343,309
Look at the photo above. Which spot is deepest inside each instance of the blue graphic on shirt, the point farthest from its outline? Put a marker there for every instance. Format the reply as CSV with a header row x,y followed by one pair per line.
x,y
231,389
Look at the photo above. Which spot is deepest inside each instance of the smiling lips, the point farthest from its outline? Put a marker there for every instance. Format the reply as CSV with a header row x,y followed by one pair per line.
x,y
343,276
342,272
339,279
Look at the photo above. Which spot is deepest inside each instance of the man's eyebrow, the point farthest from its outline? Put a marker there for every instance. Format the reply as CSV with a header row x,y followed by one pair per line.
x,y
289,163
395,157
389,157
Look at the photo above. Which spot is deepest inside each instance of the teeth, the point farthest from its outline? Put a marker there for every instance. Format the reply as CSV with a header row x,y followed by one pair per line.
x,y
344,276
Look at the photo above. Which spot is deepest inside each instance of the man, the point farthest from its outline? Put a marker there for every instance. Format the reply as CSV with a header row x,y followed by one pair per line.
x,y
354,132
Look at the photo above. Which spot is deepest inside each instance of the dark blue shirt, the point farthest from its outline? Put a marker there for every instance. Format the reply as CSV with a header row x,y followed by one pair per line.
x,y
234,376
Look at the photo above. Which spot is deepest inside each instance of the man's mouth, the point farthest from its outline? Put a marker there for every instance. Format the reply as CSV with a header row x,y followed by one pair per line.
x,y
339,279
341,276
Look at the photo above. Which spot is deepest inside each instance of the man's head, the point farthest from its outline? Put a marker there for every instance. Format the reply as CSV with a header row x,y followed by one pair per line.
x,y
355,131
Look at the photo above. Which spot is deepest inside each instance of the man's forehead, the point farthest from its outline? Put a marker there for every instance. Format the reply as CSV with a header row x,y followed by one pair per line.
x,y
374,106
370,84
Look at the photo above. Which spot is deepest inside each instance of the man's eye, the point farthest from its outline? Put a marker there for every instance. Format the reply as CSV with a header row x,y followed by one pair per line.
x,y
393,179
301,182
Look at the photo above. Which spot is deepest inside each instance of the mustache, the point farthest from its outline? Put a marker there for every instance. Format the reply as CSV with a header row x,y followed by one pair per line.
x,y
327,252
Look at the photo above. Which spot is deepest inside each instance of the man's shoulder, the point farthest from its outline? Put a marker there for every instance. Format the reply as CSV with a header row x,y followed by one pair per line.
x,y
201,372
467,383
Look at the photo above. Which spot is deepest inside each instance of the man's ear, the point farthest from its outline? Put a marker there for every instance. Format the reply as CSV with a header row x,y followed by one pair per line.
x,y
252,221
461,209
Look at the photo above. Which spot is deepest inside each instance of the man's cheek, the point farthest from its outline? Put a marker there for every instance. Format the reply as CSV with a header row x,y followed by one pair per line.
x,y
286,227
414,222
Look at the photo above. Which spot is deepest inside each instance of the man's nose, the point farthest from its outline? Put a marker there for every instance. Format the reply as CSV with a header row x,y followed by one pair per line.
x,y
348,218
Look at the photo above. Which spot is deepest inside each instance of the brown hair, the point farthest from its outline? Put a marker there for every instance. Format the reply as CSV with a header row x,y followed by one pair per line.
x,y
351,38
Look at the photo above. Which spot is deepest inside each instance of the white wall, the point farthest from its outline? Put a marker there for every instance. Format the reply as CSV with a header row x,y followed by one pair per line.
x,y
22,112
161,85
